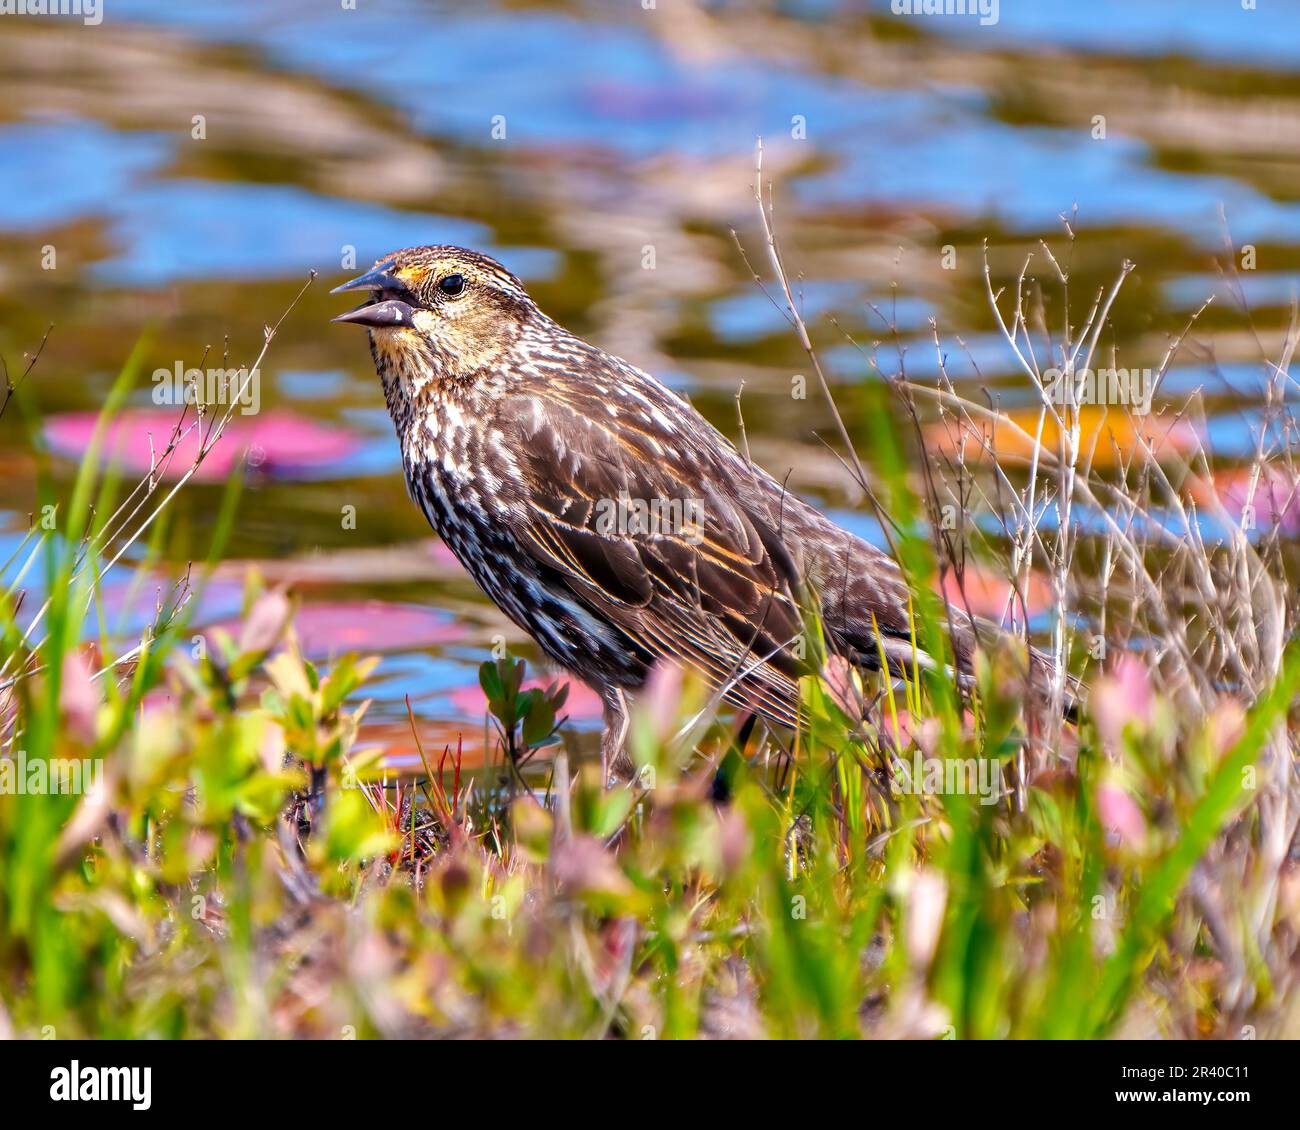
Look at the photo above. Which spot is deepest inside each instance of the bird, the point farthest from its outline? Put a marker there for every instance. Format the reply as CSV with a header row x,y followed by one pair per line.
x,y
605,516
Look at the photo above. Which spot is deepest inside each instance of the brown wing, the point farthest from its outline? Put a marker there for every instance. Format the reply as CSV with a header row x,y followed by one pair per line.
x,y
647,530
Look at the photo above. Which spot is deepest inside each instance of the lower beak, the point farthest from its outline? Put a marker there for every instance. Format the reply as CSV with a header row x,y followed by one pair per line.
x,y
387,314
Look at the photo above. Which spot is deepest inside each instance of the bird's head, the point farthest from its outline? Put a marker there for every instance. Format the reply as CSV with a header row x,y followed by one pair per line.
x,y
442,312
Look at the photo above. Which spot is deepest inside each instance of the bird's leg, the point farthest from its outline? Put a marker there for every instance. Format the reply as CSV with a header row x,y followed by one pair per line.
x,y
615,764
720,788
746,729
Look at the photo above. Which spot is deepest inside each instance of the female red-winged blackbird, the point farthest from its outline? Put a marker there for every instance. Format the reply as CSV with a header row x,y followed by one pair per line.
x,y
603,514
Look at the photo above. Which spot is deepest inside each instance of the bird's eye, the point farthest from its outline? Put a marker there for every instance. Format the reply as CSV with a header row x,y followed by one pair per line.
x,y
452,285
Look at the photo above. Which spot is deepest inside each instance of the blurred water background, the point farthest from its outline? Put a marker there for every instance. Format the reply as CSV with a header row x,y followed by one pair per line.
x,y
567,139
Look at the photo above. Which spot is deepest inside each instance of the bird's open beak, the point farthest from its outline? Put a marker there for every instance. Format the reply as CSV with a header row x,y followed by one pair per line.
x,y
380,312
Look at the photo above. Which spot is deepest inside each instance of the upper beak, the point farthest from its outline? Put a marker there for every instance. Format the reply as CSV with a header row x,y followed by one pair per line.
x,y
379,311
377,278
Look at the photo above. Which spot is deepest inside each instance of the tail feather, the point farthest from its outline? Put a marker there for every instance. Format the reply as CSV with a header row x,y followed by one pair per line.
x,y
905,658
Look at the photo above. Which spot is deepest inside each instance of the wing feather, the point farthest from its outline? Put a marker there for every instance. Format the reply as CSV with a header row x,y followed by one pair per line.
x,y
716,593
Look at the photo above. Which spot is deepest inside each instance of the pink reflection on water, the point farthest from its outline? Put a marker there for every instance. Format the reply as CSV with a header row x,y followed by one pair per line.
x,y
1275,502
276,443
337,627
